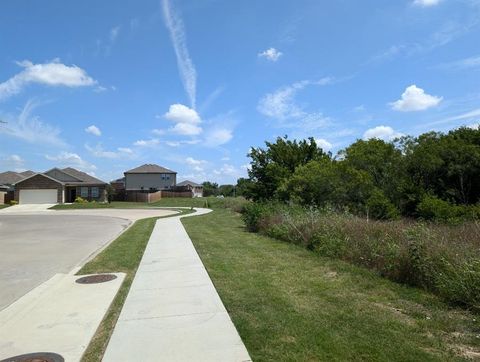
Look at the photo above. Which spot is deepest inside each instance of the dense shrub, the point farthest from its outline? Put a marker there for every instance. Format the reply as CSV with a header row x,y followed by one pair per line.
x,y
13,202
433,208
444,259
79,200
380,207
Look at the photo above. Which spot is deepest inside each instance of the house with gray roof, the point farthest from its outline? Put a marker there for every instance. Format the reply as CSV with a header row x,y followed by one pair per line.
x,y
149,178
196,189
59,186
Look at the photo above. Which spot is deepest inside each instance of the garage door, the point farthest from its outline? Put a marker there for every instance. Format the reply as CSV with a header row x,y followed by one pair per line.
x,y
47,196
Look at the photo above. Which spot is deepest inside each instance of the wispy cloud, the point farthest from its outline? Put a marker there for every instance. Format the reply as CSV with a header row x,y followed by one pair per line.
x,y
12,162
466,63
446,34
99,151
53,73
187,71
426,3
30,128
281,105
68,159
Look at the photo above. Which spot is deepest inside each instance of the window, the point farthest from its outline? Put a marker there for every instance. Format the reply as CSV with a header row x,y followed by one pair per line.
x,y
84,191
94,191
163,177
168,177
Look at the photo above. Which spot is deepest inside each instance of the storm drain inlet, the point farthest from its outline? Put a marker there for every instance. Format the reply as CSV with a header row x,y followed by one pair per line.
x,y
36,357
95,279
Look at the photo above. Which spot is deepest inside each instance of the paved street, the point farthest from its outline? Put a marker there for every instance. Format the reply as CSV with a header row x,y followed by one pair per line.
x,y
36,247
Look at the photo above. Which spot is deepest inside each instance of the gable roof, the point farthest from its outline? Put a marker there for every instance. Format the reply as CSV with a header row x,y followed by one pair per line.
x,y
187,182
10,177
82,176
27,173
41,175
149,168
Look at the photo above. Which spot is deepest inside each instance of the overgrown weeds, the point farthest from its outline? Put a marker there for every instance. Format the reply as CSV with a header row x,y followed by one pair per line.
x,y
444,259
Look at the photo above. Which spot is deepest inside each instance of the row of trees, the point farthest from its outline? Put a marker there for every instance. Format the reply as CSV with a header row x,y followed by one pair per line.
x,y
409,176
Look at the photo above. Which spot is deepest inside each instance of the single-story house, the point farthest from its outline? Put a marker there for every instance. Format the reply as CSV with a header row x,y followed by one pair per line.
x,y
149,178
196,189
59,186
9,178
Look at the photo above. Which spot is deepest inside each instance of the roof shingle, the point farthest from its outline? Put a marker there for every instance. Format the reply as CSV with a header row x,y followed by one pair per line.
x,y
149,168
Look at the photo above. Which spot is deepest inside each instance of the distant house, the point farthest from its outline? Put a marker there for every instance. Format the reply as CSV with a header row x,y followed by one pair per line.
x,y
59,186
9,178
149,178
196,189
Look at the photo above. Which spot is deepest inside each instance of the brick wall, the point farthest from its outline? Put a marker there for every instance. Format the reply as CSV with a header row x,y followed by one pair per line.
x,y
39,182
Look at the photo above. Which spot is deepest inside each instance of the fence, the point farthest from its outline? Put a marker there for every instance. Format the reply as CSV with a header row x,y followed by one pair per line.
x,y
139,196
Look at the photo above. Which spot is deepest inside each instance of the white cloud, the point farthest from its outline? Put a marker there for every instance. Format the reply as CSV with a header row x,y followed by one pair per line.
x,y
474,126
218,136
281,103
426,3
51,74
187,71
468,115
385,133
271,54
13,162
98,151
415,99
282,106
187,129
147,143
187,120
93,130
323,144
30,128
68,159
196,165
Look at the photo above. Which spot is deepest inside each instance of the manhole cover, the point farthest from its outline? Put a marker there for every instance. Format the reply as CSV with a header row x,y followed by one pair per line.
x,y
35,357
94,279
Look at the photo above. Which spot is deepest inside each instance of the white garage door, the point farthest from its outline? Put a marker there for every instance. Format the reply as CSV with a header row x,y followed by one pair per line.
x,y
47,196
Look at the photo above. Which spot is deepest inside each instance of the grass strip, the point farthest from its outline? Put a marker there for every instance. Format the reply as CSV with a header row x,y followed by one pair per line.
x,y
122,255
289,304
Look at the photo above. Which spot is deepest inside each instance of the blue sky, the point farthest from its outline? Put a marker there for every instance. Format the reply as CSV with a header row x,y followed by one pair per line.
x,y
192,85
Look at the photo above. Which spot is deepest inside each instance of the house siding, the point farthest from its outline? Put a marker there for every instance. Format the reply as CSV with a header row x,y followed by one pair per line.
x,y
39,182
135,181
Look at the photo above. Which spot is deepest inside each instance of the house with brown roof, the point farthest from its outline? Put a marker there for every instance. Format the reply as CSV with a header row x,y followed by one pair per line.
x,y
196,189
9,178
59,186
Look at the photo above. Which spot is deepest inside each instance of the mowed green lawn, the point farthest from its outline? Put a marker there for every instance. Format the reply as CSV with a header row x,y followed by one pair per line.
x,y
2,206
289,304
167,202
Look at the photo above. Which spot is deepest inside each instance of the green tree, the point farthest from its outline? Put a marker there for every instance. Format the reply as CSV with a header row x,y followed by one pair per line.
x,y
210,188
278,161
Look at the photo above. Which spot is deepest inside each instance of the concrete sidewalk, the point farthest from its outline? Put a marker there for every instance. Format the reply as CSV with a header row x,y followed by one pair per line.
x,y
173,312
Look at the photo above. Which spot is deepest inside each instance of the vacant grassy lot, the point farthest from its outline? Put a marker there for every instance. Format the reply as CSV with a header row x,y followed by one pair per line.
x,y
289,304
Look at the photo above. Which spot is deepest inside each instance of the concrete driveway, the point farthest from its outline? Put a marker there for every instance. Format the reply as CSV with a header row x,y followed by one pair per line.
x,y
37,244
